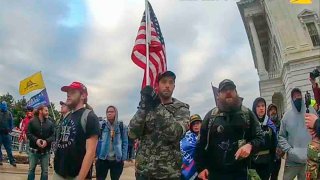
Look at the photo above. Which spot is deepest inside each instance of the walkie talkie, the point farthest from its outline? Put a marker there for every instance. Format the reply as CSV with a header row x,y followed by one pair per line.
x,y
308,101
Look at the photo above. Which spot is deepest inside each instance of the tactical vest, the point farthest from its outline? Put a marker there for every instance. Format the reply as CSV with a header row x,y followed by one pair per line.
x,y
244,113
228,131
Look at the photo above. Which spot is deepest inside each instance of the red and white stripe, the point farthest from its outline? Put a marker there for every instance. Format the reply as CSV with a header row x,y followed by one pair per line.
x,y
157,55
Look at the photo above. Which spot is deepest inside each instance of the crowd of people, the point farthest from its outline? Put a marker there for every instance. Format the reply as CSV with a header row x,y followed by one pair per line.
x,y
231,142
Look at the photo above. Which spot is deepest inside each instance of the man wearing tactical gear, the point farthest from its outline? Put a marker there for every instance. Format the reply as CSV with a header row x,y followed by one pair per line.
x,y
160,123
229,134
263,160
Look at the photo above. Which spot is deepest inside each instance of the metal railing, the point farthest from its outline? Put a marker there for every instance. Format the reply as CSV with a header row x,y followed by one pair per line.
x,y
15,141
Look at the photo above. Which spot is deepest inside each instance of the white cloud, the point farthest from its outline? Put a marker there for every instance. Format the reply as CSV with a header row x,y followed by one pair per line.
x,y
205,42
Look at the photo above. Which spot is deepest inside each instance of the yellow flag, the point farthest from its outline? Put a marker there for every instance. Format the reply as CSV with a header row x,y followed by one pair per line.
x,y
301,1
31,83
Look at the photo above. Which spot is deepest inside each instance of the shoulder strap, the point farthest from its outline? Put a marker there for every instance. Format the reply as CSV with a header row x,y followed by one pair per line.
x,y
84,119
121,128
214,114
246,112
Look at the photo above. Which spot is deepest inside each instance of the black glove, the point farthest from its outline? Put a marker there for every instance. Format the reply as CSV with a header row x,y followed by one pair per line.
x,y
149,99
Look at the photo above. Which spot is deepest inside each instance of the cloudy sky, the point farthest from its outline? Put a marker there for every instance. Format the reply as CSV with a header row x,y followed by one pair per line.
x,y
91,41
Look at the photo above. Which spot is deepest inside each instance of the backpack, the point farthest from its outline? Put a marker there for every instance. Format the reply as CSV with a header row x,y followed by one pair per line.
x,y
84,119
120,126
252,173
100,136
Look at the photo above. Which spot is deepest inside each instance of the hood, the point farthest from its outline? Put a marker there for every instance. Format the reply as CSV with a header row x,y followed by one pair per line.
x,y
303,106
4,106
271,106
116,116
255,104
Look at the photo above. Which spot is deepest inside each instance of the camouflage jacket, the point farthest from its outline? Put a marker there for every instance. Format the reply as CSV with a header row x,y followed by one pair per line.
x,y
160,132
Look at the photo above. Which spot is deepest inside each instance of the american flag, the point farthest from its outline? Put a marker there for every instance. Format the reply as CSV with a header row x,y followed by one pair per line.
x,y
157,54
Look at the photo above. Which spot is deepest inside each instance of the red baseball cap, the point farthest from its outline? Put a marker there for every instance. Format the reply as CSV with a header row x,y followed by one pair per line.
x,y
75,85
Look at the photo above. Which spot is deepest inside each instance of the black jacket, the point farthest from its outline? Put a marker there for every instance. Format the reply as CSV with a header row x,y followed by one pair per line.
x,y
225,133
270,137
40,130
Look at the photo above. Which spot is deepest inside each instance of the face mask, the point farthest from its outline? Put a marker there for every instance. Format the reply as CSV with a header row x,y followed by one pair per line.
x,y
4,107
298,104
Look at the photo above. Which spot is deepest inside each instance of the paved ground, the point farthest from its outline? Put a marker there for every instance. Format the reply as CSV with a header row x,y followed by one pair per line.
x,y
8,172
20,173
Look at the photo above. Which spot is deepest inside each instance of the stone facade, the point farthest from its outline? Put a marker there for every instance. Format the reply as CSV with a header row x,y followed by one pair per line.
x,y
285,45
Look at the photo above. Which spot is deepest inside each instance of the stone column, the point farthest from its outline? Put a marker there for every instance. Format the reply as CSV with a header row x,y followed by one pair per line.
x,y
263,74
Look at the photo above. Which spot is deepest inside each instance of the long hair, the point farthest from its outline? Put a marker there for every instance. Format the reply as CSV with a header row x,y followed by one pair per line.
x,y
87,106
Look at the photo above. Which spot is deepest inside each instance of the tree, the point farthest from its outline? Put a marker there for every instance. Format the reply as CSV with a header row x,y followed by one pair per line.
x,y
18,108
7,98
56,113
18,111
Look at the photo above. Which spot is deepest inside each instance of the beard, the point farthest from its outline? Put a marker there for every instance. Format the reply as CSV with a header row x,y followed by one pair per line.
x,y
73,103
225,105
165,95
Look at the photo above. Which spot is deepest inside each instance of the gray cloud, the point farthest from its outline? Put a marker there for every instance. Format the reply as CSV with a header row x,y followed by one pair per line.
x,y
205,41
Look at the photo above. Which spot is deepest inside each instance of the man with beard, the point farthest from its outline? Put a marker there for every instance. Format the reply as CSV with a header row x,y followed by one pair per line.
x,y
41,135
272,113
229,134
160,123
294,137
77,142
263,160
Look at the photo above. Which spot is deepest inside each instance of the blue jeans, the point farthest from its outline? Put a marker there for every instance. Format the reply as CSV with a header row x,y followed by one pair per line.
x,y
5,140
33,161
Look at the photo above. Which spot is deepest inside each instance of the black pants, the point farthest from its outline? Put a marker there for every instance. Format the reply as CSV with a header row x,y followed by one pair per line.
x,y
143,177
103,167
275,169
240,175
263,170
130,152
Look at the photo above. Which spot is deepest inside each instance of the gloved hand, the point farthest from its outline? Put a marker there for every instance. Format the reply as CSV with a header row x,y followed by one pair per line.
x,y
149,99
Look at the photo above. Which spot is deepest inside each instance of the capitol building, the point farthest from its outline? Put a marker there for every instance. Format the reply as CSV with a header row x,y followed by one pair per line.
x,y
285,45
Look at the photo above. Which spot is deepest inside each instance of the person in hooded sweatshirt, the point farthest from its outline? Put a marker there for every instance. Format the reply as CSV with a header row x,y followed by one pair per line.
x,y
263,160
272,113
188,145
294,137
112,148
6,126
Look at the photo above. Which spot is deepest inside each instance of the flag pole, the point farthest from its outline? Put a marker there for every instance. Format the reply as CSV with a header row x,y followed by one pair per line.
x,y
54,116
147,41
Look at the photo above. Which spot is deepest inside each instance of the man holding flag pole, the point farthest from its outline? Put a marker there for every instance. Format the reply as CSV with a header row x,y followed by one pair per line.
x,y
161,120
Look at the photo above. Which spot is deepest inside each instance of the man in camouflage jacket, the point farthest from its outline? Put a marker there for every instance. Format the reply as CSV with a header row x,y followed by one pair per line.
x,y
160,123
